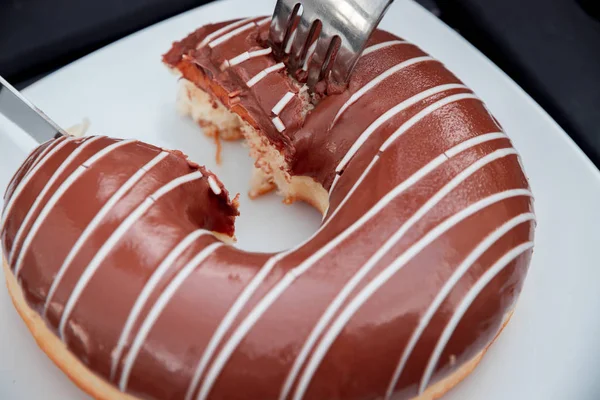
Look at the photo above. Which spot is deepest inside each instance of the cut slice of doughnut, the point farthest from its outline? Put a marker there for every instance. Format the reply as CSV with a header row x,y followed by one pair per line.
x,y
216,109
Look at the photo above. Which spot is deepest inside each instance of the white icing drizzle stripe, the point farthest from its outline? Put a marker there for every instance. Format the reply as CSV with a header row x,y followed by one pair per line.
x,y
33,158
263,21
45,151
253,316
51,203
147,290
448,286
38,200
385,117
432,165
353,189
282,103
408,124
222,31
247,56
105,151
426,111
373,286
278,124
52,149
382,45
262,74
240,332
159,306
231,34
113,240
174,184
464,305
229,319
281,286
96,221
335,182
377,80
216,189
360,274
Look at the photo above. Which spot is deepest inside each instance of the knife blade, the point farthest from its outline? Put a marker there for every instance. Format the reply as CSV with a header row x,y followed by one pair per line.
x,y
26,115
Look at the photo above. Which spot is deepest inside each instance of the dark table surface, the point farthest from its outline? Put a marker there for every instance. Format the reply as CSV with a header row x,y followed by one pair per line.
x,y
549,47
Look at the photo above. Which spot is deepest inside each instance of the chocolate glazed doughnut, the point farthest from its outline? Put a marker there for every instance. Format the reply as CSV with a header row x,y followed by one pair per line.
x,y
115,256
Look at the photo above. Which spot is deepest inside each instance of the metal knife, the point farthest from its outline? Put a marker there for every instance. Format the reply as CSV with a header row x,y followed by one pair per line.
x,y
25,115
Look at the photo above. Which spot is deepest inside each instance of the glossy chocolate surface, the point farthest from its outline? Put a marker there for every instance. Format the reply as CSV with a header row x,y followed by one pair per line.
x,y
405,214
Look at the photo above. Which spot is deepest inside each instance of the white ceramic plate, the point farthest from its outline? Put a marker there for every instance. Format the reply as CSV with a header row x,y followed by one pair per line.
x,y
550,350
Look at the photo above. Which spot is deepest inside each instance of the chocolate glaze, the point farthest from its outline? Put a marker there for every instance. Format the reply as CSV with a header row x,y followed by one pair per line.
x,y
299,287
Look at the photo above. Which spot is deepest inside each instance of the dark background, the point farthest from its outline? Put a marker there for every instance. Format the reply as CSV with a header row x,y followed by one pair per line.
x,y
549,47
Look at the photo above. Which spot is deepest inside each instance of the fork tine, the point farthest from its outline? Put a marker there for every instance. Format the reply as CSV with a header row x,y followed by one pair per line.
x,y
321,58
304,33
342,26
281,24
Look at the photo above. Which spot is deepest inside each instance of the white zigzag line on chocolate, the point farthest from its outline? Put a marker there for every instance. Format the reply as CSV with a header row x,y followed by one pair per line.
x,y
30,213
462,308
113,240
159,306
348,288
53,200
147,290
51,150
448,286
96,221
371,288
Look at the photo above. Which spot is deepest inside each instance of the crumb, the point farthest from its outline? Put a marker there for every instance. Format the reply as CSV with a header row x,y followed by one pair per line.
x,y
219,149
80,129
289,200
236,201
452,360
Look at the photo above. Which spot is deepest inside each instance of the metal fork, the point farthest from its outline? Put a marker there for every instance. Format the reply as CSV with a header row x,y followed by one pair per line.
x,y
343,28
